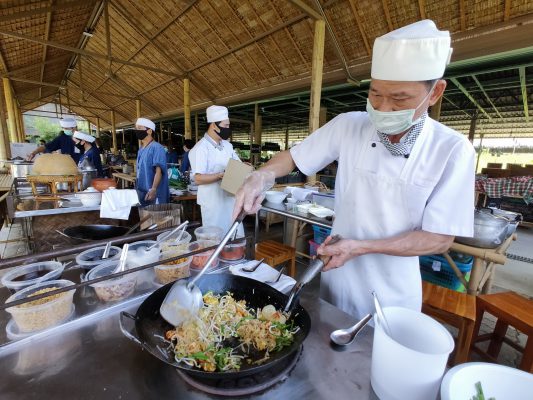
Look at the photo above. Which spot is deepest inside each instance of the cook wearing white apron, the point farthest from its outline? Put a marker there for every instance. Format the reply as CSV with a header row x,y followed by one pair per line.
x,y
208,157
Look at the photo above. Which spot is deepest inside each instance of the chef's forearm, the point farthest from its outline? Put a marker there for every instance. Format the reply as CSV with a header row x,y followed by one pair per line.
x,y
157,178
413,243
281,164
205,179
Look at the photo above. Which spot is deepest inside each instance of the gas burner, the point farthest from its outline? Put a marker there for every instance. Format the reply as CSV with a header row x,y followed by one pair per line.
x,y
250,384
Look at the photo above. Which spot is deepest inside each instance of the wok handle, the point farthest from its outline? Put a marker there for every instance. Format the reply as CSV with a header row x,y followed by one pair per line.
x,y
125,332
61,233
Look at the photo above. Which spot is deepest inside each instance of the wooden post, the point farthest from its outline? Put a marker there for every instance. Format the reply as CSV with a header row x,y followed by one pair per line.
x,y
187,106
472,130
435,109
316,79
13,134
196,127
287,138
97,127
5,150
480,151
114,132
138,113
258,122
161,131
17,121
22,130
323,116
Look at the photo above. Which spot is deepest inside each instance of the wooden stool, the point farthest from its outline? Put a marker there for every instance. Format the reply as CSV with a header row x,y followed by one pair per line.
x,y
453,308
510,309
276,253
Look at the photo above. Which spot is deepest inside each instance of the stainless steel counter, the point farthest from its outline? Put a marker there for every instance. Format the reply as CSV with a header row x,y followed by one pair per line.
x,y
95,361
48,209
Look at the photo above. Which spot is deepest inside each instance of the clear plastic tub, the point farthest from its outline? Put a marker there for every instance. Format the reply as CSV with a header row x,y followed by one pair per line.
x,y
173,270
171,244
93,257
199,260
112,289
27,275
209,233
43,313
234,251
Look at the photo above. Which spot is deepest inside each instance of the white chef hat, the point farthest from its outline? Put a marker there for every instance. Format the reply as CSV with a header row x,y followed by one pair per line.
x,y
83,136
146,123
416,52
68,123
217,113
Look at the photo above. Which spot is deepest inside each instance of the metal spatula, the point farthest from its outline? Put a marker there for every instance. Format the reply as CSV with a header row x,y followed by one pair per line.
x,y
184,299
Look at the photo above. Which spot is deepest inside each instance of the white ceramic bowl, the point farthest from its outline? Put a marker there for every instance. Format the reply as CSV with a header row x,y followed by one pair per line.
x,y
90,198
497,381
273,196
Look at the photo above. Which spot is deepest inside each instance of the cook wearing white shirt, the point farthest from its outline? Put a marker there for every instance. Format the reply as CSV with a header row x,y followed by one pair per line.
x,y
209,158
404,185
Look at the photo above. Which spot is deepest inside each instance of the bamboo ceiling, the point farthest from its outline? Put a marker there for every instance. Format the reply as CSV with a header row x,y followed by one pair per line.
x,y
232,50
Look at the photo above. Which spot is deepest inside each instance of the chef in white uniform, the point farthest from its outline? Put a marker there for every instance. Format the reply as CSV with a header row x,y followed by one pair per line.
x,y
209,158
405,183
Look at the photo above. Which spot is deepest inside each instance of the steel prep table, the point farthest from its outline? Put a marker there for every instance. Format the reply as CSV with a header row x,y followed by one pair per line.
x,y
91,359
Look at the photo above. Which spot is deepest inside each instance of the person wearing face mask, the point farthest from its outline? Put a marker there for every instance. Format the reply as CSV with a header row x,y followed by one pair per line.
x,y
405,182
208,160
63,142
85,143
152,178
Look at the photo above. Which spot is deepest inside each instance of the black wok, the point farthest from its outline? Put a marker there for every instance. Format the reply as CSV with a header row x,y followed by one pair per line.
x,y
87,233
150,326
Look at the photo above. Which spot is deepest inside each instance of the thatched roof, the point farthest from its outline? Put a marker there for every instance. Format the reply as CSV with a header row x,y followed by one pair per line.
x,y
234,51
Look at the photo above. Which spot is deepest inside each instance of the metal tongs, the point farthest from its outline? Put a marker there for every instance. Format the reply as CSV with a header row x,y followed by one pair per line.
x,y
314,268
184,299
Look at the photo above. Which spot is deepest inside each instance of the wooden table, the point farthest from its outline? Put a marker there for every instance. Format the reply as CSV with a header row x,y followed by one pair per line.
x,y
186,196
124,178
6,181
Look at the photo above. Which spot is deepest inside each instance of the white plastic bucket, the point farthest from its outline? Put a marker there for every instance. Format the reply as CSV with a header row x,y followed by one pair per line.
x,y
410,365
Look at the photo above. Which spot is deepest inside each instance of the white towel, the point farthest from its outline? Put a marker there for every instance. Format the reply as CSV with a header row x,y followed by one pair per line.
x,y
117,203
264,273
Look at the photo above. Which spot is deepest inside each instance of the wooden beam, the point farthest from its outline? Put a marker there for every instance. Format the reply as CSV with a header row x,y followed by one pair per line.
x,y
46,37
114,132
422,8
97,127
472,130
98,99
435,109
18,122
138,108
13,134
187,107
384,4
90,54
360,26
486,95
5,149
306,9
522,74
107,34
43,10
38,65
469,97
196,127
507,10
316,74
462,14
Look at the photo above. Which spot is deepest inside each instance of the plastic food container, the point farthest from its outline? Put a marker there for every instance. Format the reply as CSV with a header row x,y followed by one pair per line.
x,y
199,260
209,233
42,313
273,196
171,244
30,274
173,270
112,289
93,257
234,251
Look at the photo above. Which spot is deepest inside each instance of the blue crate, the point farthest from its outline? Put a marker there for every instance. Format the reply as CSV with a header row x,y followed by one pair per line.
x,y
445,276
320,234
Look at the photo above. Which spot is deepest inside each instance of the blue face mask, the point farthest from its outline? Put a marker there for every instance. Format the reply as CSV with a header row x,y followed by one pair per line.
x,y
393,122
67,132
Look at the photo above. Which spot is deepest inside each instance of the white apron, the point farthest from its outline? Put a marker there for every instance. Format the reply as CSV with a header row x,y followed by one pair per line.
x,y
372,206
215,203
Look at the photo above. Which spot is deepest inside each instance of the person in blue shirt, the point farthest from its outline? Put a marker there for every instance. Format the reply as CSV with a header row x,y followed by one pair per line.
x,y
85,143
185,163
152,178
172,154
62,142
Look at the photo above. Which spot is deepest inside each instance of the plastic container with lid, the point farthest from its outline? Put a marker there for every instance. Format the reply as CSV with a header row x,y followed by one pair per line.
x,y
234,251
171,244
199,260
93,257
42,313
27,275
173,270
115,288
209,233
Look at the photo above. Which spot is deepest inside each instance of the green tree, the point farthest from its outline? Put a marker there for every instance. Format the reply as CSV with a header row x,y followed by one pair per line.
x,y
47,129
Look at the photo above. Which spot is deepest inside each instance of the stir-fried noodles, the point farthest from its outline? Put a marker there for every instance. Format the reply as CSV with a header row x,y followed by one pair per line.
x,y
226,331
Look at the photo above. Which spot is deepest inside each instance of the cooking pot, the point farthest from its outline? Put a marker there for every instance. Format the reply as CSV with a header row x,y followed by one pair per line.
x,y
87,233
21,169
489,231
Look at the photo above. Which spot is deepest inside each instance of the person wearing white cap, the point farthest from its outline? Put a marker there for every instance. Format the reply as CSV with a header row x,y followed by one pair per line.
x,y
405,183
63,142
208,160
85,143
152,178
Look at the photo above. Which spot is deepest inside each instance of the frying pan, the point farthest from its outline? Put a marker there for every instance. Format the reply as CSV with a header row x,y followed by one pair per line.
x,y
87,233
150,326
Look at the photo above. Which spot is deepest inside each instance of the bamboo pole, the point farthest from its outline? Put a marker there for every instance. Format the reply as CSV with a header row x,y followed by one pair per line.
x,y
97,127
13,134
114,132
17,121
5,150
316,78
196,127
138,113
187,106
22,129
435,109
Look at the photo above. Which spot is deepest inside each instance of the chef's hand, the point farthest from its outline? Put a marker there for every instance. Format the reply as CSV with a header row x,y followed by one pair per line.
x,y
30,156
150,195
252,192
340,252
